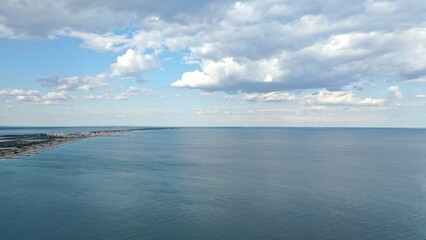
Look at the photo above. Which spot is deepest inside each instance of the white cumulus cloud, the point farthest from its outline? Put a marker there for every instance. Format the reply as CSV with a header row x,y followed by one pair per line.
x,y
269,97
100,42
325,97
396,92
229,74
34,96
133,62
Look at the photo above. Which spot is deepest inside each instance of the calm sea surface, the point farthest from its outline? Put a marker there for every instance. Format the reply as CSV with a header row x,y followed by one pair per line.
x,y
257,183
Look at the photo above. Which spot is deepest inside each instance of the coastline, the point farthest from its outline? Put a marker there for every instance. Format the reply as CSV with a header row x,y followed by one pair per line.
x,y
19,145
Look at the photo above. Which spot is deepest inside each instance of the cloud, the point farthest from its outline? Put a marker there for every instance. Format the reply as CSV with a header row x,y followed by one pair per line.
x,y
396,92
56,96
19,92
421,96
361,85
228,74
269,97
99,42
330,62
381,7
251,46
132,91
418,80
85,83
34,96
228,97
140,80
5,32
48,18
343,98
206,94
133,62
97,97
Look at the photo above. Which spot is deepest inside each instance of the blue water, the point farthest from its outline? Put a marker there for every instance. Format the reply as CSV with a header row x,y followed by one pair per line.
x,y
277,183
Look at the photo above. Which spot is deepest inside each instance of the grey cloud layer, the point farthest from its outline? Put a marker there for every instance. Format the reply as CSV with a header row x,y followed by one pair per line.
x,y
74,83
250,46
42,18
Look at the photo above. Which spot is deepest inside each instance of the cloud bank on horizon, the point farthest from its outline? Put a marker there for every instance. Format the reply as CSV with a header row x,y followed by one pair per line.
x,y
314,57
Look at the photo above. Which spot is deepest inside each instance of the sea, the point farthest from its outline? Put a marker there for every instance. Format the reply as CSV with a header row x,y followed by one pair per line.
x,y
219,183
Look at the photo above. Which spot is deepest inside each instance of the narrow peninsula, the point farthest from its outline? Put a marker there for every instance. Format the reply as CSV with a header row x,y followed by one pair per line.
x,y
15,145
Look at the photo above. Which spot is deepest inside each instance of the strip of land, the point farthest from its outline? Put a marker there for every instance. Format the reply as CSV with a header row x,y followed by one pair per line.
x,y
16,145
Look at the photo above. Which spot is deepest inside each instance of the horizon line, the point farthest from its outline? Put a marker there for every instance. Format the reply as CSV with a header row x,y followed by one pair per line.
x,y
170,126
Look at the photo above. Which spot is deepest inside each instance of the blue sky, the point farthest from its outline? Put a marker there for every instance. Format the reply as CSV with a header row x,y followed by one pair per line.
x,y
213,63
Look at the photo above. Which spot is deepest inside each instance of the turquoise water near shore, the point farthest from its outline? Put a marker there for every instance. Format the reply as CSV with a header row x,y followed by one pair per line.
x,y
221,183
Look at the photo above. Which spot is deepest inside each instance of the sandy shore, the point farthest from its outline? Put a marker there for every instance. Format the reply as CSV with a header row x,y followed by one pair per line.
x,y
17,145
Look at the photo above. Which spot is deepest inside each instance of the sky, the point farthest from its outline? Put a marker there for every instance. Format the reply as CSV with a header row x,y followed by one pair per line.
x,y
311,63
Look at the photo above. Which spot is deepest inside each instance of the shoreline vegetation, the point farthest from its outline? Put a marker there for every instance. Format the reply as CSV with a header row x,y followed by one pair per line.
x,y
18,145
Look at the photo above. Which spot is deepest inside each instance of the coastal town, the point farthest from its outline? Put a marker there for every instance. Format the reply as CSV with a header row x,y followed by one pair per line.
x,y
15,145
